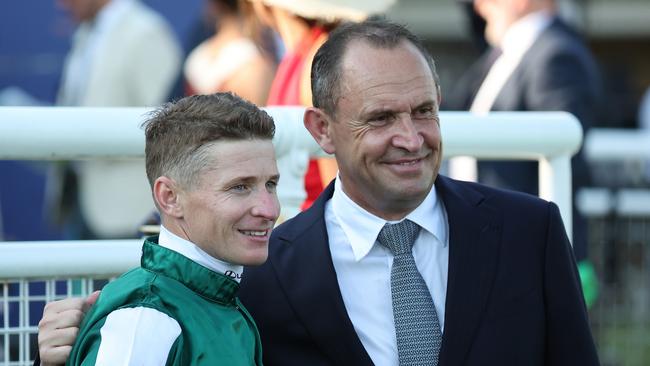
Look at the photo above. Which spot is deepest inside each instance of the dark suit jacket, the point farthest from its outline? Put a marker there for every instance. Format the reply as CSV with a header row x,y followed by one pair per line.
x,y
513,295
557,73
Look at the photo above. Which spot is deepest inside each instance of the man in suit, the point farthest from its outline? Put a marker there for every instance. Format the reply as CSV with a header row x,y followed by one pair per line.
x,y
498,264
536,63
496,267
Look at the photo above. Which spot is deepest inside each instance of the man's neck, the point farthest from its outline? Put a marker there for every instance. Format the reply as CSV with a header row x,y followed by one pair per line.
x,y
181,244
379,208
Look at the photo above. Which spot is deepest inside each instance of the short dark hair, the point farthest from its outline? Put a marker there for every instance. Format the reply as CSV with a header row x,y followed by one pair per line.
x,y
178,132
326,67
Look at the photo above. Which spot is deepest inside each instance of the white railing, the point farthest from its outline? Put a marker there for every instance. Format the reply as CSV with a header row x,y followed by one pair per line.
x,y
108,133
51,133
625,148
613,144
70,258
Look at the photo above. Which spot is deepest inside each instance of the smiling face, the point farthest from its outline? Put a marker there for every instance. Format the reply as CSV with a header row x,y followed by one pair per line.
x,y
230,211
385,131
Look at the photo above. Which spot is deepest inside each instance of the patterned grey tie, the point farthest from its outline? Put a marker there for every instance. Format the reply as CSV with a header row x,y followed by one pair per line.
x,y
416,322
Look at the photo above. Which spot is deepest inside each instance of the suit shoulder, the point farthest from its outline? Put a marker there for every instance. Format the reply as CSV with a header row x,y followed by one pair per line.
x,y
516,209
507,198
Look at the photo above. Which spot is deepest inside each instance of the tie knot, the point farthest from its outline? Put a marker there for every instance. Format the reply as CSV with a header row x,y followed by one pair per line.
x,y
399,238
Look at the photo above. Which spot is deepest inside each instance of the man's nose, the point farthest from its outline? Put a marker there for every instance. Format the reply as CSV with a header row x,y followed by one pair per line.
x,y
407,136
266,206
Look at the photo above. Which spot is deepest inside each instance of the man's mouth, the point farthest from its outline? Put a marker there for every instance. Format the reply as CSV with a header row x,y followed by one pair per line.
x,y
255,233
408,162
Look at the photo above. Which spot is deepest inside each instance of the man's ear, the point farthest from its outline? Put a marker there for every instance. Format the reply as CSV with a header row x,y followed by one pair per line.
x,y
166,193
317,123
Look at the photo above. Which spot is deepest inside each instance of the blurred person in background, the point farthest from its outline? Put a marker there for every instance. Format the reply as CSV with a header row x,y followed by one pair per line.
x,y
536,62
236,58
303,26
123,54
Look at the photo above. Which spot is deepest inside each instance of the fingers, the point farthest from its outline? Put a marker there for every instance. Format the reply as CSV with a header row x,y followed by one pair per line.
x,y
54,307
62,314
62,320
90,300
58,328
54,346
55,355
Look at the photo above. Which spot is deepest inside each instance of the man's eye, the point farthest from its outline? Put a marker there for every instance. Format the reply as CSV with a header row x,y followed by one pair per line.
x,y
271,185
427,112
380,120
239,188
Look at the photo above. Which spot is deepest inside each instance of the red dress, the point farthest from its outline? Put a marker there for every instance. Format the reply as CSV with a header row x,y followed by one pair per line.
x,y
285,90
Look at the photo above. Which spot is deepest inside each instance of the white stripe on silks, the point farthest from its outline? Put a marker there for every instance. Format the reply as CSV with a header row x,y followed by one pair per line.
x,y
137,336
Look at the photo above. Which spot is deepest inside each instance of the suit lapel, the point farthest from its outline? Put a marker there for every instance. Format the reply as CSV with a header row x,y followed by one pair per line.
x,y
474,242
304,266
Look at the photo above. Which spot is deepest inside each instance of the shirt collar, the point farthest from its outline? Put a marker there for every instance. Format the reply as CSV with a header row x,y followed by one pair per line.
x,y
190,250
523,33
205,282
362,228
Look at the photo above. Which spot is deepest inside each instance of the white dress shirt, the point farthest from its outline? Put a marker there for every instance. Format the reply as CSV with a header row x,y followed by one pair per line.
x,y
363,267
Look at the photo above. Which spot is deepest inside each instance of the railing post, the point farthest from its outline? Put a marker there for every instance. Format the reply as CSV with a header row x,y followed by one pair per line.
x,y
555,185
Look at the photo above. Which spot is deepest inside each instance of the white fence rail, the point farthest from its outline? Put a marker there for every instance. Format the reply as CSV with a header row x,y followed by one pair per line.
x,y
611,144
68,258
47,133
627,150
108,133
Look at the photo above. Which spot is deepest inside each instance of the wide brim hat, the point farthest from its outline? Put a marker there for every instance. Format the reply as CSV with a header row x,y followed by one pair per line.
x,y
333,10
